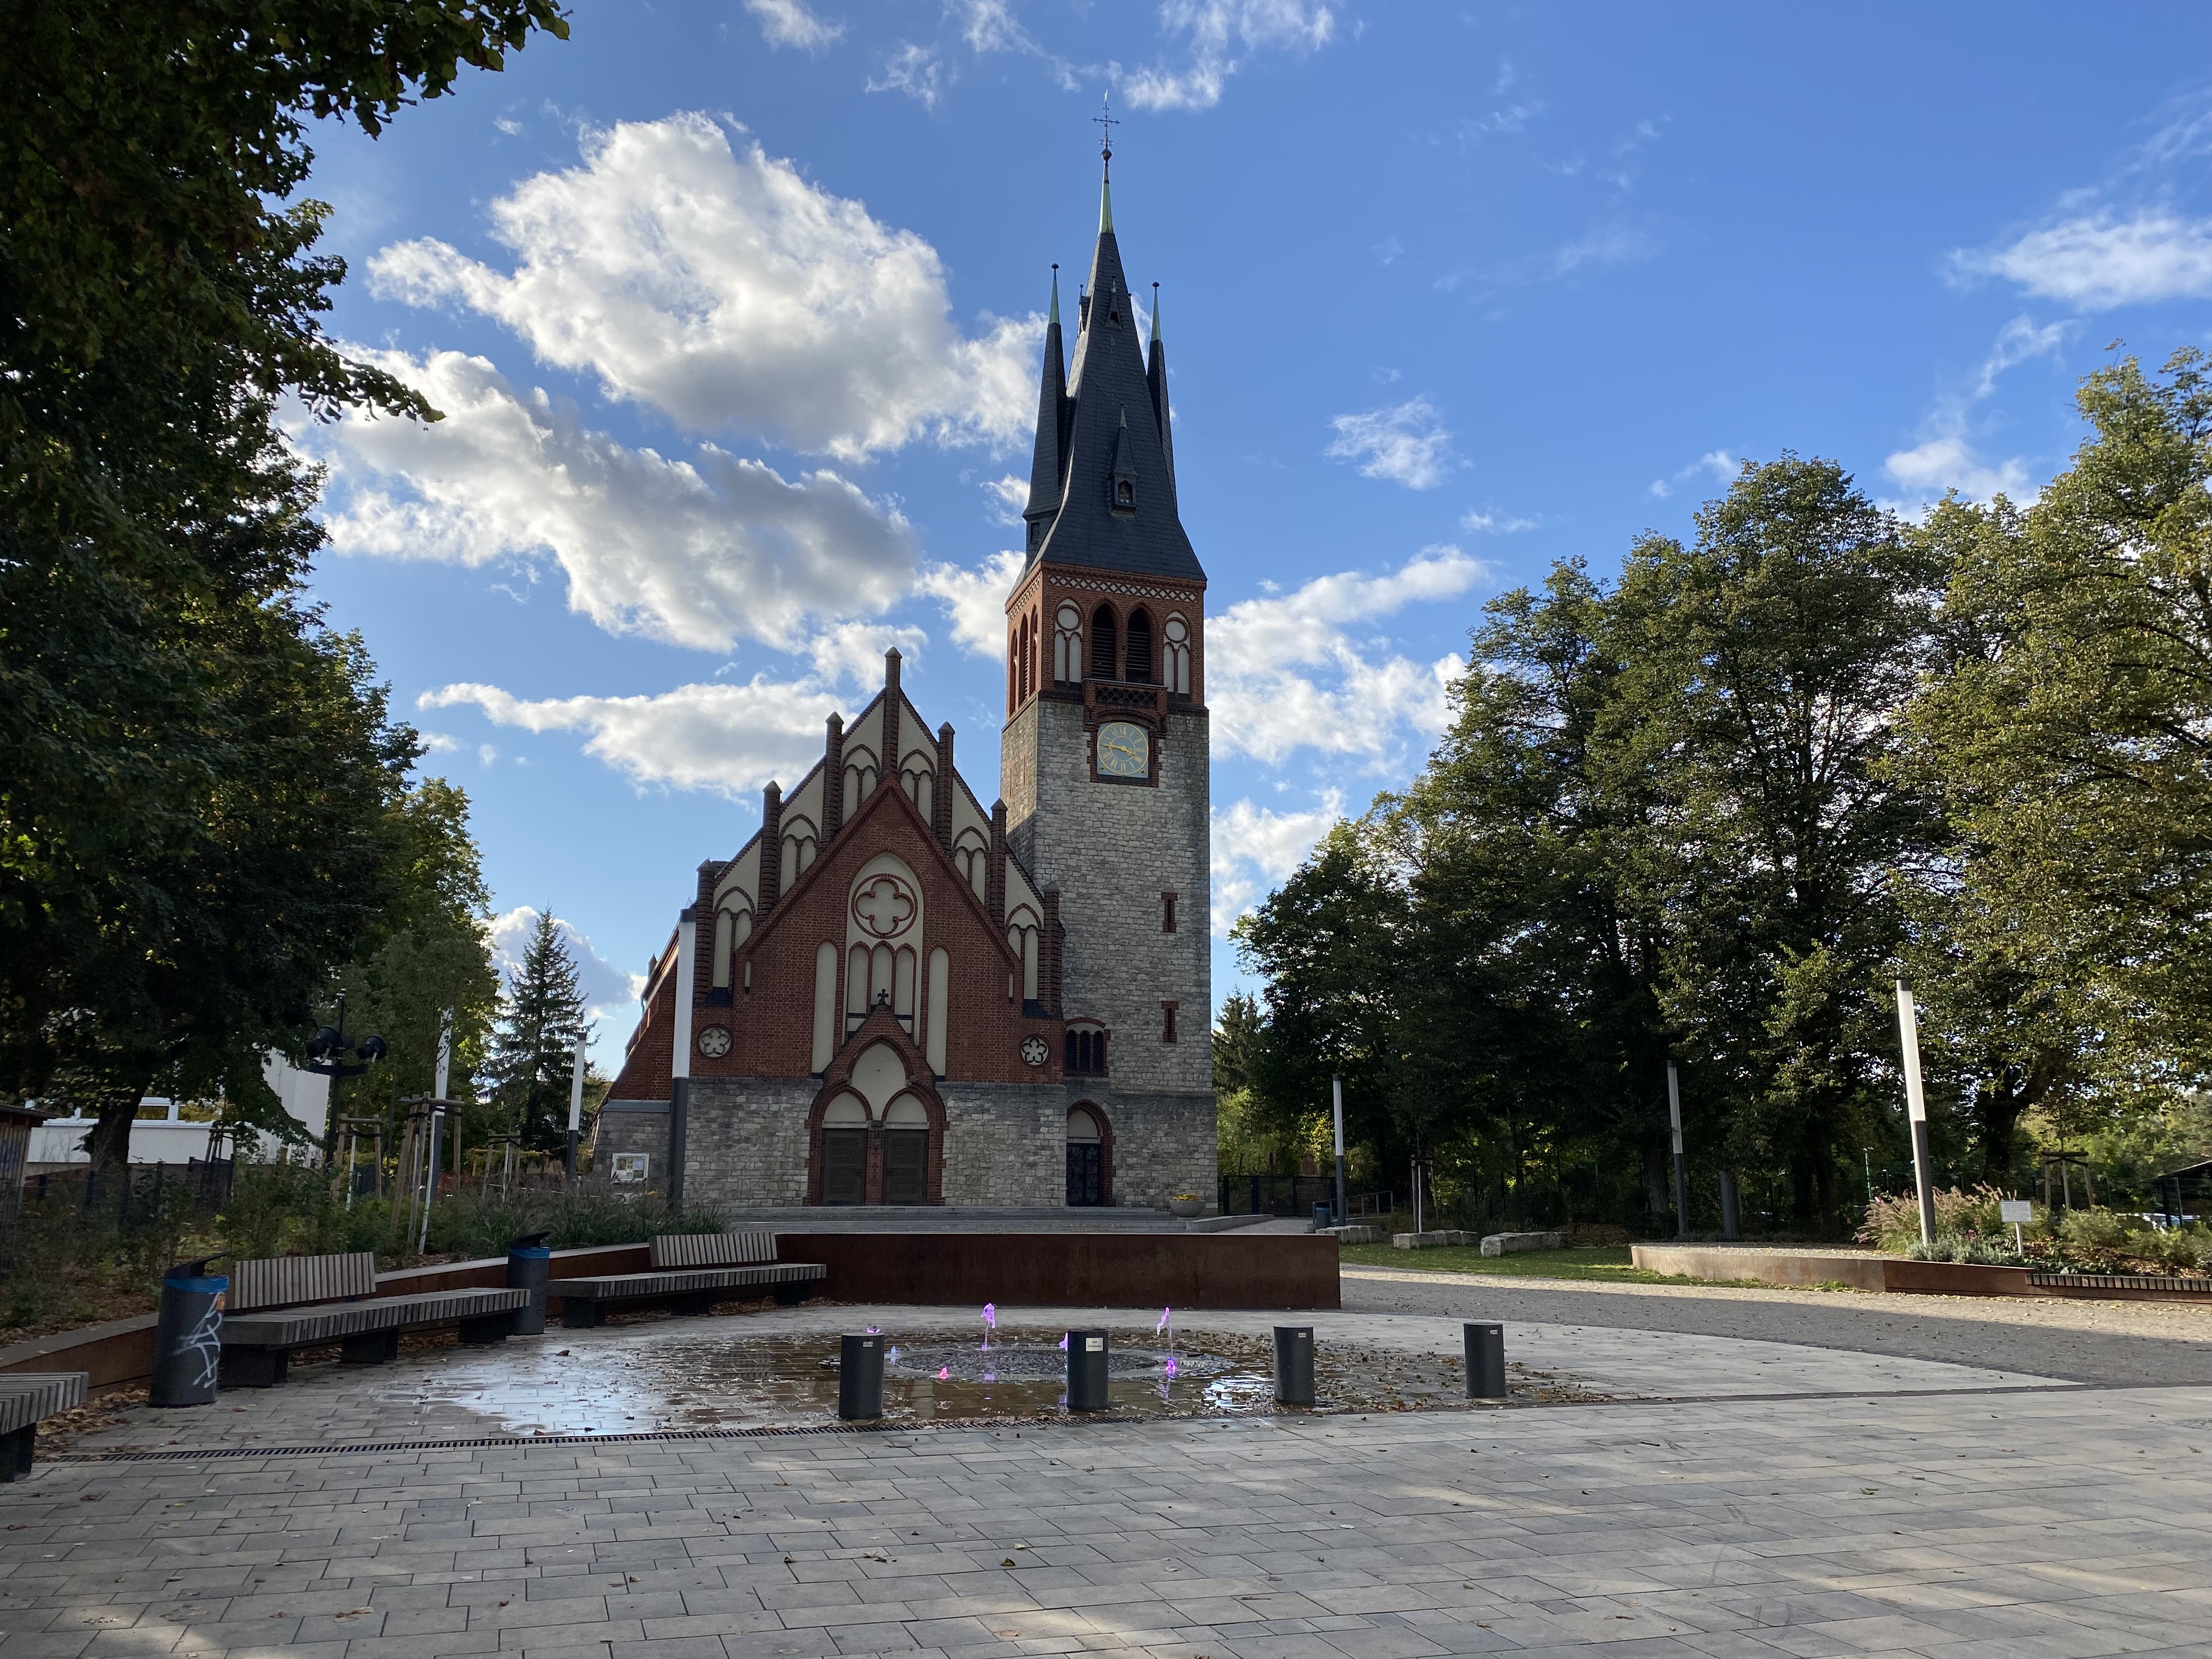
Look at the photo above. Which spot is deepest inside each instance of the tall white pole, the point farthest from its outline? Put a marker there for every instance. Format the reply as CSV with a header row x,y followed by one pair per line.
x,y
679,1071
1916,1108
1681,1170
1336,1095
437,1126
576,1103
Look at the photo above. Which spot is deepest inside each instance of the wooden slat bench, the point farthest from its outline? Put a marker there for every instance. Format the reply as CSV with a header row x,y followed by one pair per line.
x,y
275,1308
25,1398
691,1272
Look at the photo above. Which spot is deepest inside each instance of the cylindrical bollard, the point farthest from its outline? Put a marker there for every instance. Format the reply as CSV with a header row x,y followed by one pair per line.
x,y
529,1265
1086,1370
1485,1362
1294,1365
861,1376
188,1336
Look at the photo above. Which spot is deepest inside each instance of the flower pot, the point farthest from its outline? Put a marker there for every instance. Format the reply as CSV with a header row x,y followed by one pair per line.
x,y
1187,1208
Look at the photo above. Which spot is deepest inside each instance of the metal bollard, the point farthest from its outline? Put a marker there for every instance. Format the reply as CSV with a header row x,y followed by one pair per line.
x,y
1485,1362
861,1376
1294,1365
1086,1370
188,1336
529,1267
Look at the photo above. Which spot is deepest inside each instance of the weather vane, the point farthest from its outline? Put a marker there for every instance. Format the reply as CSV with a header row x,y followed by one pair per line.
x,y
1106,125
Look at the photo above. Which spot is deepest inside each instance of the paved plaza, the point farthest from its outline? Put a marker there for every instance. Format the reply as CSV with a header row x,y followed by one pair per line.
x,y
1715,1495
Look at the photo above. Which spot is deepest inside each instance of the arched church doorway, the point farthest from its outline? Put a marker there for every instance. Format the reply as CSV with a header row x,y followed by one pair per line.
x,y
845,1151
906,1152
1090,1162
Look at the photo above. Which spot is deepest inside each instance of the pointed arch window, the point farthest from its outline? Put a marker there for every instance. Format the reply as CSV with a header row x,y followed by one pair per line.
x,y
1174,654
1102,643
860,774
972,859
918,777
1139,672
1022,931
1068,644
800,844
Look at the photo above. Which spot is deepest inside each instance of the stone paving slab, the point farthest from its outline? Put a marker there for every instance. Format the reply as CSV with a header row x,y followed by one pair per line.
x,y
1948,1526
633,1378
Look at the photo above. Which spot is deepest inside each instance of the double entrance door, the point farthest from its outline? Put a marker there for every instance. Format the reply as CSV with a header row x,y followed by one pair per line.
x,y
845,1166
1086,1180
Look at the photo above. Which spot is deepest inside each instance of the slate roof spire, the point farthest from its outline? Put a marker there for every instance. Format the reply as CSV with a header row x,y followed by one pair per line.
x,y
1111,504
1156,376
1049,467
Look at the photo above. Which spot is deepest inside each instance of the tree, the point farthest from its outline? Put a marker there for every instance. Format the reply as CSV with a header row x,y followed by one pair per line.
x,y
184,751
2070,734
1766,664
533,1055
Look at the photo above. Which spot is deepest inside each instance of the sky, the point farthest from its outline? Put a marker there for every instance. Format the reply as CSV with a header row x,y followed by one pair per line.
x,y
734,312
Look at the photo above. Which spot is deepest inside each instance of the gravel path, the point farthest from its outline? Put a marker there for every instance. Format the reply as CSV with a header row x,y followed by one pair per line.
x,y
2077,1341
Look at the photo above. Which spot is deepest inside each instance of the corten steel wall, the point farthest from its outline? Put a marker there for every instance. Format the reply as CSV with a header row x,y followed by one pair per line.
x,y
114,1355
1126,1270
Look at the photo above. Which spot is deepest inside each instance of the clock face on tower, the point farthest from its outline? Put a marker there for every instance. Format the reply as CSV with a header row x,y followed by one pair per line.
x,y
1124,751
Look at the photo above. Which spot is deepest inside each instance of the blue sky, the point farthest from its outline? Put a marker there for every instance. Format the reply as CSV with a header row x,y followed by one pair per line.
x,y
734,311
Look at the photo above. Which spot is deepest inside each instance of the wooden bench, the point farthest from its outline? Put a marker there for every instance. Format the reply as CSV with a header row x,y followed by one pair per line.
x,y
275,1308
25,1398
691,1271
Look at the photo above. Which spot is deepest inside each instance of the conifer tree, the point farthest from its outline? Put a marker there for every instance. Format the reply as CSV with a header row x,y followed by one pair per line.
x,y
534,1052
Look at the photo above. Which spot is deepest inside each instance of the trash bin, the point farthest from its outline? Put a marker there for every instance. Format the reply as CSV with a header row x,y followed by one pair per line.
x,y
1086,1370
1323,1217
1485,1362
861,1376
1294,1365
188,1336
529,1265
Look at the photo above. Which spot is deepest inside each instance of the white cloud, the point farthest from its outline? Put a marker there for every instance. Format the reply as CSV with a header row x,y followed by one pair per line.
x,y
609,991
699,553
1253,849
1607,245
990,25
790,23
1221,33
729,739
915,70
1286,672
1722,465
1946,459
1487,522
1407,445
729,293
439,743
852,654
975,600
1007,496
2099,261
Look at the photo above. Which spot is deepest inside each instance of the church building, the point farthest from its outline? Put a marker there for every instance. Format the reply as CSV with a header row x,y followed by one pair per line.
x,y
893,995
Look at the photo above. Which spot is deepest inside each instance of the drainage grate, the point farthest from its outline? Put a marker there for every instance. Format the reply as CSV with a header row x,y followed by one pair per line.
x,y
2165,1282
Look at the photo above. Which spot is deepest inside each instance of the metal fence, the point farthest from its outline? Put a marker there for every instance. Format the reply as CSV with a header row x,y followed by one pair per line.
x,y
135,1194
1294,1194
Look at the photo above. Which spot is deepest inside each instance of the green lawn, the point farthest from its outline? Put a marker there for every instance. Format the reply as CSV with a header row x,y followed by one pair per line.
x,y
1594,1261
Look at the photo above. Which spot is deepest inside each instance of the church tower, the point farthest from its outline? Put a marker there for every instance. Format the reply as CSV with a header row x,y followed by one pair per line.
x,y
1104,754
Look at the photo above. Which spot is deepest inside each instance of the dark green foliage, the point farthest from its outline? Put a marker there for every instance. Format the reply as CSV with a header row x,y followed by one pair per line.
x,y
469,1225
199,783
533,1054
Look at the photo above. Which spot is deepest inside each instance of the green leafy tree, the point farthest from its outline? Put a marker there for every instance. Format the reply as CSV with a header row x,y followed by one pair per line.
x,y
2070,735
534,1052
196,778
1766,664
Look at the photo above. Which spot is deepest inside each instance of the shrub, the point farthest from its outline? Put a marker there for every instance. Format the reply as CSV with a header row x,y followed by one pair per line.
x,y
470,1225
1892,1221
2094,1239
1979,1252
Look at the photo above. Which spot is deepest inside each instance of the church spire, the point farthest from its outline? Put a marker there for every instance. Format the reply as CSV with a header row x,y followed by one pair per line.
x,y
1048,466
1156,378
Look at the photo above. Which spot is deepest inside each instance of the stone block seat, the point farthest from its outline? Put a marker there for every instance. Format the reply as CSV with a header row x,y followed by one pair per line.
x,y
690,1273
276,1307
27,1397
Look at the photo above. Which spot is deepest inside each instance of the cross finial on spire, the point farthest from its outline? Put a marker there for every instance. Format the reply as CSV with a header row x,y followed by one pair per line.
x,y
1106,125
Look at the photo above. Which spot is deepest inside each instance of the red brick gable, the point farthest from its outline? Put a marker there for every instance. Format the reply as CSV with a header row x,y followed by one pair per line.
x,y
769,1012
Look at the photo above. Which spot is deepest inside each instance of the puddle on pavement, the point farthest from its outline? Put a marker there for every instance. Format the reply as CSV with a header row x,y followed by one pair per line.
x,y
711,1380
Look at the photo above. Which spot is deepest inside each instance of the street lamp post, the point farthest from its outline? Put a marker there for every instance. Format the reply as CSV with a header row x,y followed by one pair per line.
x,y
326,1057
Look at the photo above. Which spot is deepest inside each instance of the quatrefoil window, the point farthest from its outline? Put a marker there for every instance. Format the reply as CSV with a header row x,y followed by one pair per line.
x,y
884,907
